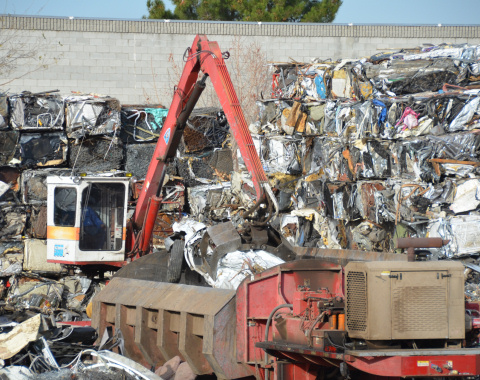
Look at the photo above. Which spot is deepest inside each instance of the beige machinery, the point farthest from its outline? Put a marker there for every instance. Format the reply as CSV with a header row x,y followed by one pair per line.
x,y
304,319
405,300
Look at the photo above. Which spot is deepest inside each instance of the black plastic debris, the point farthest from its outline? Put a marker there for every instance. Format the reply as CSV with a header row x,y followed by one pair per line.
x,y
41,150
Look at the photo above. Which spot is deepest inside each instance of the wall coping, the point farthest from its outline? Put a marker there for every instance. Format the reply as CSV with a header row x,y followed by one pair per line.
x,y
236,28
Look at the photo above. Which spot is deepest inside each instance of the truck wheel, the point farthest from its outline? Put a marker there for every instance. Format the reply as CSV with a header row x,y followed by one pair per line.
x,y
175,261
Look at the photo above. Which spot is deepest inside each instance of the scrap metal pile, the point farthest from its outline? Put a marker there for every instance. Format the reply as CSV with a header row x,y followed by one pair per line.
x,y
377,148
49,134
358,151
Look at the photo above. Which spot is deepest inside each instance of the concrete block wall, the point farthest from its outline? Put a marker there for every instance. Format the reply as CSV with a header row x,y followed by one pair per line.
x,y
129,59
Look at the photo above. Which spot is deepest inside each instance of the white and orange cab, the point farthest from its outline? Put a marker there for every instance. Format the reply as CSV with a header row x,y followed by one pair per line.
x,y
86,219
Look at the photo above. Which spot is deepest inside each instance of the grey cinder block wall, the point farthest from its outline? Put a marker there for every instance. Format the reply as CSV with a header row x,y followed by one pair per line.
x,y
131,60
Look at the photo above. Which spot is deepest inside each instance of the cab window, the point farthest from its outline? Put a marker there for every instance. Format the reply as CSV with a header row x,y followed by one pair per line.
x,y
65,205
102,217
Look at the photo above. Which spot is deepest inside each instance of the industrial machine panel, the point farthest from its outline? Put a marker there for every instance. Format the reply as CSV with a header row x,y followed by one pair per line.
x,y
357,301
405,300
419,305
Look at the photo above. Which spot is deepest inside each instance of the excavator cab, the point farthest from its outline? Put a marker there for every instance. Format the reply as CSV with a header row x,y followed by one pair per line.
x,y
86,220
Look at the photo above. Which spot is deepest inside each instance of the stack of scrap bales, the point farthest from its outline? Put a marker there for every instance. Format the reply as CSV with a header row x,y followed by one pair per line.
x,y
205,165
48,133
367,150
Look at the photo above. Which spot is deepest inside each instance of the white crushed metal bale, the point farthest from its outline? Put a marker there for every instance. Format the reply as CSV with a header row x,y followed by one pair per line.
x,y
91,115
466,197
235,266
199,197
35,257
36,111
462,231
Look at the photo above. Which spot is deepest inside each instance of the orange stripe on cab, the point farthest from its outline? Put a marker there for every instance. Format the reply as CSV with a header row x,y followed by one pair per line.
x,y
63,233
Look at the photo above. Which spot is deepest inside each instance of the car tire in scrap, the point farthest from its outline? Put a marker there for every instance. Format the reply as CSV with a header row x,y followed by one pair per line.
x,y
175,261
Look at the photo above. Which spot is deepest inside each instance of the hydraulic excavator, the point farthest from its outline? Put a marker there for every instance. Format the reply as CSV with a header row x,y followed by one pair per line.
x,y
340,317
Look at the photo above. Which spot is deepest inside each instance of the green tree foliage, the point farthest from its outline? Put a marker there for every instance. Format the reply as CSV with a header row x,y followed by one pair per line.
x,y
248,10
157,10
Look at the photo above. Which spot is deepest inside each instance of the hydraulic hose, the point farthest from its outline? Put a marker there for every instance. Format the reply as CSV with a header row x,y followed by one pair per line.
x,y
267,327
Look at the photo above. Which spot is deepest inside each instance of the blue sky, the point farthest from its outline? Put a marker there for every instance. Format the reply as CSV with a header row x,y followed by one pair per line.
x,y
453,12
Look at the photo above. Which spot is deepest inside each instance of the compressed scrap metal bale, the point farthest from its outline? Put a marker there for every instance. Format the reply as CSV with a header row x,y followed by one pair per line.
x,y
211,201
9,184
141,123
222,161
341,201
279,154
327,159
268,111
37,223
207,128
8,145
11,264
11,247
305,228
465,198
195,171
89,115
376,160
34,184
35,258
409,77
12,221
138,158
41,150
370,236
366,199
42,111
464,146
413,157
11,258
306,81
38,293
96,155
309,194
75,292
462,231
